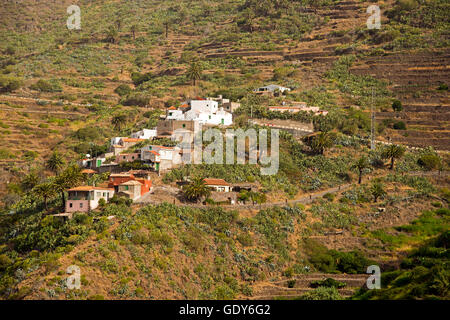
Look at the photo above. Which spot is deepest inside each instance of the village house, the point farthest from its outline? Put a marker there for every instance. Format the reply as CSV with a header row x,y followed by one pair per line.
x,y
127,157
129,142
271,90
117,149
218,185
141,174
206,112
117,179
226,104
123,144
95,163
166,129
161,158
145,134
86,198
131,189
88,172
116,140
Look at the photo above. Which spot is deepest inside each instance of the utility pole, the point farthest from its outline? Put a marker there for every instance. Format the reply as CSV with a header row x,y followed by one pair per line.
x,y
372,126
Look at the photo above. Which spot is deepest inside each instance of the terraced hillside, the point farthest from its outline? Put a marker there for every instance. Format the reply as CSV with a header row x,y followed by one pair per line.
x,y
240,44
415,78
298,286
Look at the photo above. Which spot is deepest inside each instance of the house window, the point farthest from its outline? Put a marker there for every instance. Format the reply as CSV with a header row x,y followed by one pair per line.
x,y
184,125
70,205
210,117
81,205
126,187
104,194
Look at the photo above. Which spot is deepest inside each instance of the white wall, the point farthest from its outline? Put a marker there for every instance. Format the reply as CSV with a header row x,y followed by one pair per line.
x,y
144,134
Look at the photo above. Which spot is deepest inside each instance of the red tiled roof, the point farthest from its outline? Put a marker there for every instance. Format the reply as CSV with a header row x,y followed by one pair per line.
x,y
89,188
132,140
216,182
154,152
121,175
172,108
88,171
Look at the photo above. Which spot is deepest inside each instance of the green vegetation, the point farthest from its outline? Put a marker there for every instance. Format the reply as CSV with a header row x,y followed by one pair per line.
x,y
423,274
332,261
196,190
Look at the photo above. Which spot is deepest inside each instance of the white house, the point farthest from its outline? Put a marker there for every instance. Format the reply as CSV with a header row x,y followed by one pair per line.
x,y
144,134
116,140
86,198
204,111
218,185
163,158
174,114
271,89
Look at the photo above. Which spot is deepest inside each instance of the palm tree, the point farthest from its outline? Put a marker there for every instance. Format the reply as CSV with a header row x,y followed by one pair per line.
x,y
197,190
377,190
118,121
361,164
71,177
30,180
249,17
393,152
133,30
320,142
194,72
118,24
56,162
45,190
112,34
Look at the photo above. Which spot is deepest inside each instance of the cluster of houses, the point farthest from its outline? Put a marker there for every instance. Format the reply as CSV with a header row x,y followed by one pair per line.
x,y
175,124
132,185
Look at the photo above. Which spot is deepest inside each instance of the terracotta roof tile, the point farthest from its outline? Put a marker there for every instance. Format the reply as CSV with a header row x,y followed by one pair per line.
x,y
216,182
90,188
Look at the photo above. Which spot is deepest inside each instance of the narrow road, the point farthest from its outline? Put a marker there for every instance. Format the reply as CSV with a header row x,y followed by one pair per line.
x,y
306,199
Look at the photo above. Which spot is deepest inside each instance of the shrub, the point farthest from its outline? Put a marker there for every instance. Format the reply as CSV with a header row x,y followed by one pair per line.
x,y
443,87
46,86
137,99
328,283
397,105
88,133
123,90
429,161
322,293
399,125
245,239
9,83
139,78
